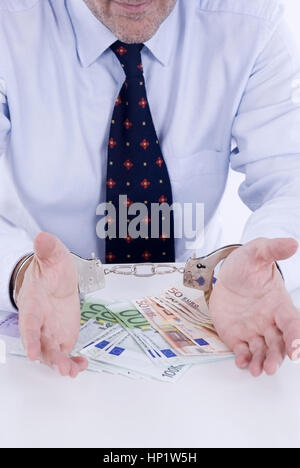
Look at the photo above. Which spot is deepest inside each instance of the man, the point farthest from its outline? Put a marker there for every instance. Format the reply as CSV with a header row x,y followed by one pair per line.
x,y
210,72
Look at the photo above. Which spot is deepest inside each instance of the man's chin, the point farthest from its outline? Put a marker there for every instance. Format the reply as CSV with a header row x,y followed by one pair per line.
x,y
135,33
133,39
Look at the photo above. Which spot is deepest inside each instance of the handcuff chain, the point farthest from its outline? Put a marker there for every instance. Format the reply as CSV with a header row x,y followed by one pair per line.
x,y
133,270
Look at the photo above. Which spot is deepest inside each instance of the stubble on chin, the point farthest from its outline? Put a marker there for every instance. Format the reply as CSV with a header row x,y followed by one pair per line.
x,y
134,28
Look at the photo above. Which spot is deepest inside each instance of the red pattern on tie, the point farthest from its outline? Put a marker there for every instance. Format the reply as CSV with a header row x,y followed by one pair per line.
x,y
136,167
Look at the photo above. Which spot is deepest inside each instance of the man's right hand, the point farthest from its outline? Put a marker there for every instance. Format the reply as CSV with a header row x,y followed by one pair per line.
x,y
49,307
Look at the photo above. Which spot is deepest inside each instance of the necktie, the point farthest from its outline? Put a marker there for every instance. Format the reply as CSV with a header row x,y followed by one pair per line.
x,y
136,168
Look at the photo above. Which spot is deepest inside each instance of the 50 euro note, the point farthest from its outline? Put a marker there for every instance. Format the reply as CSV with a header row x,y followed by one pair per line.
x,y
189,340
189,310
180,342
191,305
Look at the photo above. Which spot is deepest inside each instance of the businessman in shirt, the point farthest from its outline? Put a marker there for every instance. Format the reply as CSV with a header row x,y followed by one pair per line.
x,y
220,86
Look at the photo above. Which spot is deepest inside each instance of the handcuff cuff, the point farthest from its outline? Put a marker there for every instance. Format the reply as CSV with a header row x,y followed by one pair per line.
x,y
198,272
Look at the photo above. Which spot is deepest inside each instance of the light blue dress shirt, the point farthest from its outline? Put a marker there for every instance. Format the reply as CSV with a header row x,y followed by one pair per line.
x,y
223,82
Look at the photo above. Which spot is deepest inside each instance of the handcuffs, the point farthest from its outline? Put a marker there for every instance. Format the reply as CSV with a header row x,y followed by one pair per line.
x,y
198,273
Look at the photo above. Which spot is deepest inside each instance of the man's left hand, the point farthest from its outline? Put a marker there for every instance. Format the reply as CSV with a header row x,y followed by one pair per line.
x,y
251,308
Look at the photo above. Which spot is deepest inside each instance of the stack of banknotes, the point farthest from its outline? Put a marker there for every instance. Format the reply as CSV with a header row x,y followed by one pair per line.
x,y
158,337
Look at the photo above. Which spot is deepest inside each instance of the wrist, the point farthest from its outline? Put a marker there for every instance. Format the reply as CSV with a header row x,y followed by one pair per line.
x,y
17,278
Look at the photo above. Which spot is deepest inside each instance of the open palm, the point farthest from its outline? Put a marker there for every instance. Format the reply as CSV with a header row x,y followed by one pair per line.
x,y
49,309
251,309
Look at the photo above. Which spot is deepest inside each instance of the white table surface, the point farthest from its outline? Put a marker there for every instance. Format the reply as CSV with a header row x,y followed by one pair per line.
x,y
213,405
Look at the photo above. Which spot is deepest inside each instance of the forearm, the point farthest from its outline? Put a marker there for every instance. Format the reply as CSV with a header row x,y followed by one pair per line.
x,y
266,131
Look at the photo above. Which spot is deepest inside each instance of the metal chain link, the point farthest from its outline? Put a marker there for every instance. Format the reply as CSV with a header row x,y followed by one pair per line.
x,y
134,270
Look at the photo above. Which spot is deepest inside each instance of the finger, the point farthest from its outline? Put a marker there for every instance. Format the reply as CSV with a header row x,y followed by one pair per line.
x,y
272,250
74,370
54,357
30,329
60,360
65,365
234,335
276,350
32,346
243,355
291,335
49,249
72,366
50,349
295,355
81,362
288,322
78,364
258,350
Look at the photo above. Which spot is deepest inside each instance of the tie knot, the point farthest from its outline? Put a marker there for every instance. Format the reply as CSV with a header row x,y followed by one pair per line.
x,y
130,58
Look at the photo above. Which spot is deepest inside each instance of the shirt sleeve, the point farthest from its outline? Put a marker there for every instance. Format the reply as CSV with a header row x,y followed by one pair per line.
x,y
267,135
4,118
14,241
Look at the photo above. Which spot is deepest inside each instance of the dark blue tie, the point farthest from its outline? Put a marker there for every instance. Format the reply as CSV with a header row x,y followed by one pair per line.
x,y
136,166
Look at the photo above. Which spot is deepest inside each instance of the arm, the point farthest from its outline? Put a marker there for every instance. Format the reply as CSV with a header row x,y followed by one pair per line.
x,y
48,302
250,306
14,241
267,133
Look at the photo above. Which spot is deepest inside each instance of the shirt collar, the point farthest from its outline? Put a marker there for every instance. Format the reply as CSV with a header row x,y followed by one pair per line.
x,y
93,38
162,43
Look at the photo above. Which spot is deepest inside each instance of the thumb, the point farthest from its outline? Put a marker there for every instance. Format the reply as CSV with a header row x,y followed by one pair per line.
x,y
49,249
272,250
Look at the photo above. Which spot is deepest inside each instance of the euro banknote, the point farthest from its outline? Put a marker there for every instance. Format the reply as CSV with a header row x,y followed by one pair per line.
x,y
157,332
149,337
154,344
128,355
121,354
203,338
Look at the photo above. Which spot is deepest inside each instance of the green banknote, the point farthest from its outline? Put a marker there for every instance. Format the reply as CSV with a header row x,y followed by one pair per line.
x,y
97,310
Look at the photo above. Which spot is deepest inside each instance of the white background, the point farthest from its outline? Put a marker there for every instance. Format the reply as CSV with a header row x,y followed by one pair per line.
x,y
233,212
